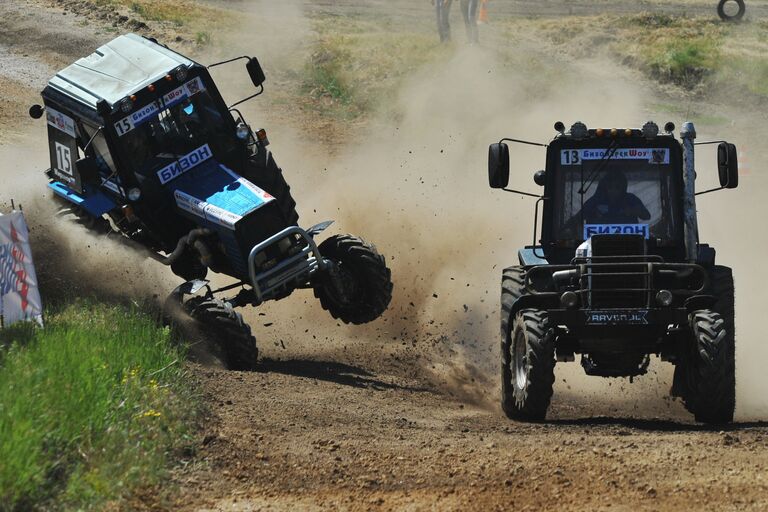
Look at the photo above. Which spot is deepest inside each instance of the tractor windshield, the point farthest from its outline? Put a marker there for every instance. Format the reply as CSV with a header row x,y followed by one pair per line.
x,y
617,191
170,133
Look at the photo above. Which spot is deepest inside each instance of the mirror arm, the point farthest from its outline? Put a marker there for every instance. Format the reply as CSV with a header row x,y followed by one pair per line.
x,y
520,192
710,190
525,142
261,90
91,140
226,61
708,142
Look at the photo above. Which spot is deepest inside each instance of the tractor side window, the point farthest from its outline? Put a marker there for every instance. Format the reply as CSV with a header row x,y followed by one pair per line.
x,y
99,147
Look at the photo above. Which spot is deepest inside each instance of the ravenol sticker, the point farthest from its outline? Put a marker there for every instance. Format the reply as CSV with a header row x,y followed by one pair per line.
x,y
639,317
149,111
60,121
206,210
616,229
658,156
184,163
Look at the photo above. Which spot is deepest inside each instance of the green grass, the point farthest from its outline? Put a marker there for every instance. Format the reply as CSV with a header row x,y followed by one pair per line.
x,y
356,65
93,407
697,53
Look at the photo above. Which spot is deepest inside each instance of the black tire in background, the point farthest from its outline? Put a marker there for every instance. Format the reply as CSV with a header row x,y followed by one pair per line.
x,y
711,369
363,273
529,356
738,16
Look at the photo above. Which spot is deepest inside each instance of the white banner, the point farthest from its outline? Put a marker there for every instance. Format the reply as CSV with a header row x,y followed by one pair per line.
x,y
19,295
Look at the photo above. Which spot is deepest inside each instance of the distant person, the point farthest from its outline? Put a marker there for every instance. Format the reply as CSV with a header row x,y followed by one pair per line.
x,y
469,11
482,18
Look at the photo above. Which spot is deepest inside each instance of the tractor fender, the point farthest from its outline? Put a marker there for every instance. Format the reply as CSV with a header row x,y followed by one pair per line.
x,y
540,301
697,302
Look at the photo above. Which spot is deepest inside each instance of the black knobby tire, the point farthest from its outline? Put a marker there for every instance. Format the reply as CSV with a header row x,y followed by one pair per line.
x,y
223,325
711,369
512,288
363,273
736,17
722,287
264,172
528,357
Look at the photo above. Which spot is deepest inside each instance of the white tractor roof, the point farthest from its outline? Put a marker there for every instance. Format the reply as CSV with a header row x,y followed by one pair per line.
x,y
119,68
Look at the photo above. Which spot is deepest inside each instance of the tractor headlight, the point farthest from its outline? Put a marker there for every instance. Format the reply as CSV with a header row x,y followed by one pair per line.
x,y
180,73
126,105
569,299
650,130
579,130
134,194
664,298
243,131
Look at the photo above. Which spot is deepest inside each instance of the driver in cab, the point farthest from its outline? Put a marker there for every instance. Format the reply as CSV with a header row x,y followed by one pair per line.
x,y
612,204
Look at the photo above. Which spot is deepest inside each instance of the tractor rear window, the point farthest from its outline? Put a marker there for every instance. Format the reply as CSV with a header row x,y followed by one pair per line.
x,y
629,191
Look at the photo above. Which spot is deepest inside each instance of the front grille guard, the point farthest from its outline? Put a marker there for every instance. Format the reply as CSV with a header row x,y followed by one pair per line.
x,y
611,267
298,268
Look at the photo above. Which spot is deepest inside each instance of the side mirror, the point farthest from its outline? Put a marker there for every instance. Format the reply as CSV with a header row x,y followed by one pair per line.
x,y
728,165
255,72
36,111
88,170
540,178
498,165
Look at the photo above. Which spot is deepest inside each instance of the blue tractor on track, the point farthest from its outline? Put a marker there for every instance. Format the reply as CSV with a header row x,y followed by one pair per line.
x,y
617,272
142,143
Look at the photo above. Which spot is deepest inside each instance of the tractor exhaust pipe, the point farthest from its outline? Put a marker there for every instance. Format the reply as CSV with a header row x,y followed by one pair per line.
x,y
191,239
688,135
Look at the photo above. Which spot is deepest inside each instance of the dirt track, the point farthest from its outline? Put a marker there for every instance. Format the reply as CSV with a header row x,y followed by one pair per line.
x,y
392,416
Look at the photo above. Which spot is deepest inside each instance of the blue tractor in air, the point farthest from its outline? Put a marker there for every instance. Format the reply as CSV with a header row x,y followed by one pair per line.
x,y
617,273
142,144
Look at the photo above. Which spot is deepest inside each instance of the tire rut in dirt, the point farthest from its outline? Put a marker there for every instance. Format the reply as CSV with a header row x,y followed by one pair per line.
x,y
361,262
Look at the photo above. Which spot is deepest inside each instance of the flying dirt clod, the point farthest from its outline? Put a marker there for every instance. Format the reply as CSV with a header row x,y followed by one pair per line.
x,y
141,143
619,273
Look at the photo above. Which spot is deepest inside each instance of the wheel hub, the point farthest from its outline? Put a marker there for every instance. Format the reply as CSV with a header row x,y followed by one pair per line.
x,y
521,361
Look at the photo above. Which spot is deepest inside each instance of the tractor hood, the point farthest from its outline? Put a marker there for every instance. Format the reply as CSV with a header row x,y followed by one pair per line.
x,y
212,194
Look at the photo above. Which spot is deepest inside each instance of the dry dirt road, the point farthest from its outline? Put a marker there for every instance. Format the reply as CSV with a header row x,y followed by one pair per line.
x,y
403,414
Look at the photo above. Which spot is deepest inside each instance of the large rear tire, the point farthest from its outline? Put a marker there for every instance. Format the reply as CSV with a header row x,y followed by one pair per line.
x,y
528,362
711,369
361,289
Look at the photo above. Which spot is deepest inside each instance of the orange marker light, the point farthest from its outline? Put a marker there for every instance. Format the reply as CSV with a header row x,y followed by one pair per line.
x,y
599,132
133,97
168,78
261,134
628,132
614,132
151,87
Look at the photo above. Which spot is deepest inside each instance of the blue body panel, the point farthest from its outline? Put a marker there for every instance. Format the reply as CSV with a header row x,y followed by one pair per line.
x,y
219,192
529,259
95,202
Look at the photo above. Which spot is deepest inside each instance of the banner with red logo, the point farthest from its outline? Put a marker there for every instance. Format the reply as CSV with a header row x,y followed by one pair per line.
x,y
19,295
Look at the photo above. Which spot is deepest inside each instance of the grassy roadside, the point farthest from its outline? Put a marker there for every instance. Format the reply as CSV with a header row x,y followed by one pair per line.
x,y
93,408
356,65
698,53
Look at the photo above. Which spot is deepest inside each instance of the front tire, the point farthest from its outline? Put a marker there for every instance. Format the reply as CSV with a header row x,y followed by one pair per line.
x,y
711,369
737,16
220,324
528,364
361,288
